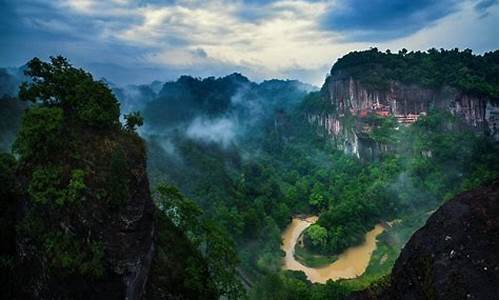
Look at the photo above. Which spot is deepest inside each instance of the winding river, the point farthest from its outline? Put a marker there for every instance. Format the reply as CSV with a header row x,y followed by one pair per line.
x,y
349,264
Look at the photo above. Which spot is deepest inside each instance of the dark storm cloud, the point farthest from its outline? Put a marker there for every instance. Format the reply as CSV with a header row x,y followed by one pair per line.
x,y
483,5
140,40
378,20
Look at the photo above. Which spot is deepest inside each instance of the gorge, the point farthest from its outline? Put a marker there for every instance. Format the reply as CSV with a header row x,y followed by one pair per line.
x,y
204,196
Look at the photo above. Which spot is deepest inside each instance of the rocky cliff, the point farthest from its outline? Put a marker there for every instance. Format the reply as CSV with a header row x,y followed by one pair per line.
x,y
454,256
122,231
350,98
85,225
367,83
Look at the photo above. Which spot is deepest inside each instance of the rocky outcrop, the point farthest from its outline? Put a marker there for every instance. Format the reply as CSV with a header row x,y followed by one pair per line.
x,y
454,256
129,235
125,230
350,98
82,222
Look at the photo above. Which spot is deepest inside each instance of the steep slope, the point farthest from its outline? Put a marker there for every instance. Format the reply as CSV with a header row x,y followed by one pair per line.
x,y
454,256
87,226
405,86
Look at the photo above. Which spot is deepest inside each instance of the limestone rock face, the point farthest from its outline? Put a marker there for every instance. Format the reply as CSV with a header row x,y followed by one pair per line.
x,y
349,97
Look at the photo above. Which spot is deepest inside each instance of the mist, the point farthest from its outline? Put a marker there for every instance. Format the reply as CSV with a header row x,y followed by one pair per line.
x,y
220,130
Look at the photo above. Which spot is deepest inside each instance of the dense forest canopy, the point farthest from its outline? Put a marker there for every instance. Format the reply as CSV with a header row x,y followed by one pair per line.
x,y
231,162
468,72
284,166
77,167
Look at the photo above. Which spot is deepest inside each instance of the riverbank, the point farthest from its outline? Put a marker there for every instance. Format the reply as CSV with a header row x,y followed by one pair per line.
x,y
389,245
349,264
308,259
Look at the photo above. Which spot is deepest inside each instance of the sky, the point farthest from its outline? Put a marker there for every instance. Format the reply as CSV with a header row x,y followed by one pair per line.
x,y
138,41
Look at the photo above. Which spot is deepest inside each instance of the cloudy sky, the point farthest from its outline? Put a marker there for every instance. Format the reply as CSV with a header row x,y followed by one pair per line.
x,y
137,41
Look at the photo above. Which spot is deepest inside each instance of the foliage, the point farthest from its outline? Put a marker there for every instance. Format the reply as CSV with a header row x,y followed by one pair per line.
x,y
212,241
473,74
181,210
81,98
10,197
178,268
64,255
45,186
317,235
294,285
40,133
133,120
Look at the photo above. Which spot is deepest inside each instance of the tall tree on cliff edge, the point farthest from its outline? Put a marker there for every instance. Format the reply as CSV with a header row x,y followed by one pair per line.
x,y
87,225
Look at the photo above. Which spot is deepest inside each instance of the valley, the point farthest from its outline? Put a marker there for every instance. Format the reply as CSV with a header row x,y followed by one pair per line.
x,y
213,177
249,150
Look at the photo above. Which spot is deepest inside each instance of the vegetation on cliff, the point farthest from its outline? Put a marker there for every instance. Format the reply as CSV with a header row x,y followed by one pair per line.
x,y
253,185
470,73
77,212
231,162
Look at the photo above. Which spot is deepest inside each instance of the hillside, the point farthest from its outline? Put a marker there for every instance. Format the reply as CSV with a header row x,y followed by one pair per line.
x,y
252,161
86,224
404,86
193,204
454,256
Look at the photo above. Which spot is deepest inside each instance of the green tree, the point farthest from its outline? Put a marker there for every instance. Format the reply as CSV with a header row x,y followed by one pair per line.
x,y
211,240
133,120
317,235
39,137
81,98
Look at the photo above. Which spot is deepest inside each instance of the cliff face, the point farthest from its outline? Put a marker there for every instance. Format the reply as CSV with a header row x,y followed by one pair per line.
x,y
124,230
85,223
454,256
349,97
128,235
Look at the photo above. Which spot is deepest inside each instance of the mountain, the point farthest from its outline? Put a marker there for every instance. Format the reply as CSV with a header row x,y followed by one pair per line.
x,y
77,204
247,152
454,256
192,205
404,86
135,97
187,98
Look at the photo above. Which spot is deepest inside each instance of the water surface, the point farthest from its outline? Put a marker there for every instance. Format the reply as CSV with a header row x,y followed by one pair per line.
x,y
350,264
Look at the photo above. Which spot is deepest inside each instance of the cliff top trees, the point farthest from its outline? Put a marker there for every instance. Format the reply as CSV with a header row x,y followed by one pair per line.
x,y
59,84
474,74
65,143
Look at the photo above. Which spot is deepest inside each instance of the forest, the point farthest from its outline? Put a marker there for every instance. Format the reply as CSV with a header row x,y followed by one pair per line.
x,y
229,163
253,184
470,73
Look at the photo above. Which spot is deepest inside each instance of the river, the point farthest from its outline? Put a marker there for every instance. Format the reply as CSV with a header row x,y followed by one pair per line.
x,y
349,264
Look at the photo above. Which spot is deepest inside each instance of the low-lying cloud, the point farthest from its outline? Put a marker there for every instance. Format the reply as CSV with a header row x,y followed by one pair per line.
x,y
220,130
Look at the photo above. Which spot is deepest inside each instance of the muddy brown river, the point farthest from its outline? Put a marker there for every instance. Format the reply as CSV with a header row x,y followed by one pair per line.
x,y
349,264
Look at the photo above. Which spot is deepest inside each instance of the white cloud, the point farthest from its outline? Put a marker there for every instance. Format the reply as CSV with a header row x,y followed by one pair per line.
x,y
280,39
220,130
467,28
